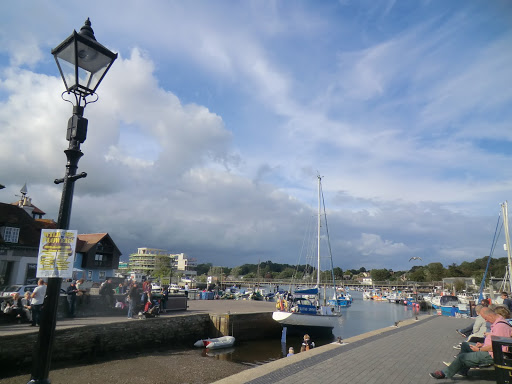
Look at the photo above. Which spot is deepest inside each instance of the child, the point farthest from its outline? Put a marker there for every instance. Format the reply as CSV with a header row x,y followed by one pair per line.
x,y
307,343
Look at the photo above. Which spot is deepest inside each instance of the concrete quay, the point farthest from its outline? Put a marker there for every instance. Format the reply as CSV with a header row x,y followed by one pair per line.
x,y
403,354
393,355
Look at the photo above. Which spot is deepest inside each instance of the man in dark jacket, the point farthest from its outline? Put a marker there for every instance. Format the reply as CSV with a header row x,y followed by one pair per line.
x,y
133,297
72,291
107,291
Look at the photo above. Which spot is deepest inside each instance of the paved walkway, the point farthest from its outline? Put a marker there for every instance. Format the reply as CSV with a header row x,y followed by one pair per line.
x,y
403,355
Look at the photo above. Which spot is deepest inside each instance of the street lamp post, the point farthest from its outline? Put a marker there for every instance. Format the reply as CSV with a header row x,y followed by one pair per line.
x,y
83,63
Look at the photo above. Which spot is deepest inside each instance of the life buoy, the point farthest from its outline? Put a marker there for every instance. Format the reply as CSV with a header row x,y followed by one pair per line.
x,y
282,305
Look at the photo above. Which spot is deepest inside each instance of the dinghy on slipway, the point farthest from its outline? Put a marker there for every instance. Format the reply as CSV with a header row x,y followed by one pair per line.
x,y
216,343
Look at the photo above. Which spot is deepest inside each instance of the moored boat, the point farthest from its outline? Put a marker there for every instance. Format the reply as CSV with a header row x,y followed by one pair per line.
x,y
305,314
449,305
216,343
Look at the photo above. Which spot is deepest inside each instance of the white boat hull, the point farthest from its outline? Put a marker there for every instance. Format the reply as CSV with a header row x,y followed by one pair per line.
x,y
290,319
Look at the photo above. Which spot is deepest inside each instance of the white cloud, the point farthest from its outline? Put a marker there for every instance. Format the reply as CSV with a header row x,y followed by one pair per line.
x,y
212,124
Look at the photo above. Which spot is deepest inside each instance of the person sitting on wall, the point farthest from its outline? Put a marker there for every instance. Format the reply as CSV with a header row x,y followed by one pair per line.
x,y
25,301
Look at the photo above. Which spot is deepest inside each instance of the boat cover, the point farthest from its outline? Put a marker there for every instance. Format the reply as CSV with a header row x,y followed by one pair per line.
x,y
310,291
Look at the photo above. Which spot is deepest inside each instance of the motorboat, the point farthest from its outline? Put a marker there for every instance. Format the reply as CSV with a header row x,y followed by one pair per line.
x,y
342,300
216,343
449,305
465,297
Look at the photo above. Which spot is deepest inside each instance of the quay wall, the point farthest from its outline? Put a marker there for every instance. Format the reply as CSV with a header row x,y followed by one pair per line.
x,y
91,343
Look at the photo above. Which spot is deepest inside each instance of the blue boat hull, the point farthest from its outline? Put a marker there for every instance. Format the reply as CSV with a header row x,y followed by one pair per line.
x,y
344,303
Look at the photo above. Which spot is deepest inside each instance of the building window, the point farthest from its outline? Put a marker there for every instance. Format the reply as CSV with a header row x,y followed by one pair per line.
x,y
102,261
102,275
10,234
89,275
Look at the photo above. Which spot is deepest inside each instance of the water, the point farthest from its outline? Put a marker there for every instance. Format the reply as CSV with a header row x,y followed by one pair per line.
x,y
363,316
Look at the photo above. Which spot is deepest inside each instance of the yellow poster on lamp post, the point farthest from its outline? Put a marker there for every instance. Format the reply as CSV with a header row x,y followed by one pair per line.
x,y
56,253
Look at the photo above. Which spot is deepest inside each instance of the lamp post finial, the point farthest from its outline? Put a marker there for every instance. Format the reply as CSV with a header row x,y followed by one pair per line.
x,y
86,30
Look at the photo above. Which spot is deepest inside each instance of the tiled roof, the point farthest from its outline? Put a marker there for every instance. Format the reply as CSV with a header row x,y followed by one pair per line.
x,y
36,210
46,223
86,241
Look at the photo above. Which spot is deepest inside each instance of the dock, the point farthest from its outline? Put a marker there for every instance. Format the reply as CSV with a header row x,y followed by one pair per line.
x,y
405,353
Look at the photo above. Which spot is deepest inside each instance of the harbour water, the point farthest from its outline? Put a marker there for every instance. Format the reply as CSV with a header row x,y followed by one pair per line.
x,y
363,316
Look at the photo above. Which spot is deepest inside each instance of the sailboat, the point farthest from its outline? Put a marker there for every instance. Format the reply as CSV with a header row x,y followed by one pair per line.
x,y
305,314
507,246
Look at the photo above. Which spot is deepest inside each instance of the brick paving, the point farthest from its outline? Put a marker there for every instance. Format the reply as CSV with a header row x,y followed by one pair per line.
x,y
402,355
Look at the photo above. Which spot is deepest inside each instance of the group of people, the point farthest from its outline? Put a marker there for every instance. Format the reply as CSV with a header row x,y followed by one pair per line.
x,y
144,299
27,308
18,308
477,350
307,344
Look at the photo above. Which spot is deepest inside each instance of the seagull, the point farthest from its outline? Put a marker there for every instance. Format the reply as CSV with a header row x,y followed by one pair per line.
x,y
415,258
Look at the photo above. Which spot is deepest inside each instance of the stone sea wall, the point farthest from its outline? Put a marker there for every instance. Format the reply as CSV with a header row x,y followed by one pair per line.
x,y
92,343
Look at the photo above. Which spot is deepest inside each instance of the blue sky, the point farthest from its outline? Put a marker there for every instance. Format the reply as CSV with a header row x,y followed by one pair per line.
x,y
212,125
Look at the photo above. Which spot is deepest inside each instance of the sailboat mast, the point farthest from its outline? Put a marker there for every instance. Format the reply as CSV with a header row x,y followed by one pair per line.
x,y
504,208
318,234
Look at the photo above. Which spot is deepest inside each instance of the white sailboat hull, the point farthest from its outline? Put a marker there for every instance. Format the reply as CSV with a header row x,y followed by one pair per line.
x,y
289,319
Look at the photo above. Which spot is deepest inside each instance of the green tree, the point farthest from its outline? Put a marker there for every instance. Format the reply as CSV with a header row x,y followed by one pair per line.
x,y
338,273
417,274
380,274
435,272
162,267
236,271
202,269
286,273
454,271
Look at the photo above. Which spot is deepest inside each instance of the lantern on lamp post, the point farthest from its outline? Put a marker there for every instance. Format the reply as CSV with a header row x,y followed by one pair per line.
x,y
83,63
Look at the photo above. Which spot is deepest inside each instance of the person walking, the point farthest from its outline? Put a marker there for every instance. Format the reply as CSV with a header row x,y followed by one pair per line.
x,y
36,302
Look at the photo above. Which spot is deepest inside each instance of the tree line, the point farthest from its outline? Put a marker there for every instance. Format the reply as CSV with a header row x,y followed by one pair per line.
x,y
430,272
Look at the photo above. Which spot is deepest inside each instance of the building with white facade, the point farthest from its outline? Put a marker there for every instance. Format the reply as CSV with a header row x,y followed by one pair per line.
x,y
144,261
183,264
